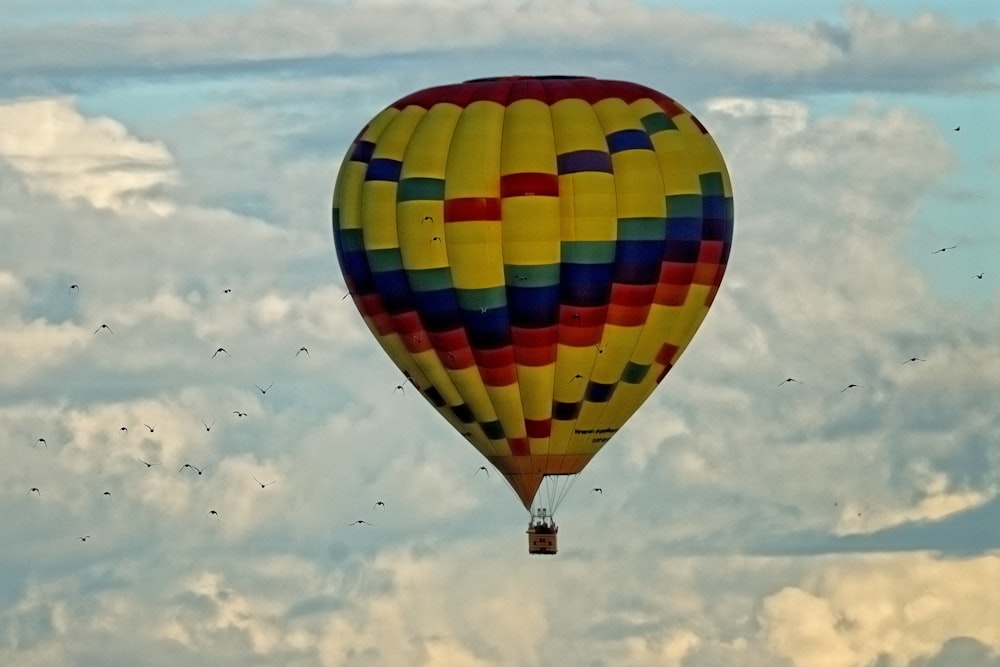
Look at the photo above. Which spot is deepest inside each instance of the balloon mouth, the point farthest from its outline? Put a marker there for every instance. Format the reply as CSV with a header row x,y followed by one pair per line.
x,y
517,77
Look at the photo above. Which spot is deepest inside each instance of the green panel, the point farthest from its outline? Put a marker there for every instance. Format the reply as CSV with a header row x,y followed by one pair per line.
x,y
642,229
429,280
588,252
477,299
684,206
537,275
420,188
385,259
657,122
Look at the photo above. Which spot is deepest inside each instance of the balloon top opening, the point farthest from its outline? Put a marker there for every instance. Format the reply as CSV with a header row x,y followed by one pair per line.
x,y
519,76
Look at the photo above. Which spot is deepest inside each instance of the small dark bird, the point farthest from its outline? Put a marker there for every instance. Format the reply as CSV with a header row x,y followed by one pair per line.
x,y
41,441
35,491
208,427
239,414
301,350
913,359
84,538
435,238
107,494
213,513
601,348
150,464
360,521
379,504
957,128
188,465
482,310
226,291
399,387
951,247
978,276
597,489
221,349
427,218
103,326
74,286
262,484
151,428
576,377
349,293
788,380
123,429
263,390
850,386
483,469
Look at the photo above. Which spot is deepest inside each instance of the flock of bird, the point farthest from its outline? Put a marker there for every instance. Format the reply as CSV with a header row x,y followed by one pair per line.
x,y
187,467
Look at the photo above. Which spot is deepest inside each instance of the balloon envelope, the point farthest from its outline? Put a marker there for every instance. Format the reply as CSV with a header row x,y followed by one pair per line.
x,y
534,253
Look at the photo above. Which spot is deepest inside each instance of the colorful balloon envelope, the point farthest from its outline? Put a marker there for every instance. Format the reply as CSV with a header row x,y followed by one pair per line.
x,y
534,253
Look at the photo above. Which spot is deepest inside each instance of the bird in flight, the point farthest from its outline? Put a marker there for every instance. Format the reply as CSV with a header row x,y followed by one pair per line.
x,y
74,286
151,427
483,469
301,350
263,390
239,413
576,377
84,538
41,441
35,491
188,465
399,387
150,464
913,359
360,521
208,427
435,238
427,218
212,513
107,494
789,380
123,429
850,386
221,349
103,326
262,484
978,276
951,247
957,128
597,489
379,504
226,290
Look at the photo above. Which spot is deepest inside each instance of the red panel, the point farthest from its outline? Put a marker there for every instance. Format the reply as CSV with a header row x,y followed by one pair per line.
x,y
627,316
666,354
500,376
536,356
538,428
632,295
581,336
529,183
471,208
676,273
670,295
575,316
710,252
495,358
456,360
416,343
519,446
541,337
449,341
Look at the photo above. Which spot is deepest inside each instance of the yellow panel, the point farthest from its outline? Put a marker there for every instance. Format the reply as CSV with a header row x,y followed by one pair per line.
x,y
395,138
531,230
659,324
427,153
536,383
378,210
570,362
562,433
478,259
615,114
617,344
576,127
589,207
470,387
644,106
671,152
348,197
639,185
539,446
474,155
378,124
416,247
528,141
507,403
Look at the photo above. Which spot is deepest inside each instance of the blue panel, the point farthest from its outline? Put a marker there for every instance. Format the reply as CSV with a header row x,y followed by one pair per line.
x,y
577,161
383,169
394,289
463,413
438,310
682,251
625,140
566,411
359,276
684,229
586,284
533,307
489,330
717,229
638,262
598,392
362,151
714,206
434,396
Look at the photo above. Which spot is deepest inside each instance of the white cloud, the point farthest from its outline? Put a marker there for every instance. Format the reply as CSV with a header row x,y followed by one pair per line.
x,y
62,153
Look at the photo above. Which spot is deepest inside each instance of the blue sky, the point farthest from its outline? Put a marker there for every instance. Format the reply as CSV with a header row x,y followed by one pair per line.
x,y
160,154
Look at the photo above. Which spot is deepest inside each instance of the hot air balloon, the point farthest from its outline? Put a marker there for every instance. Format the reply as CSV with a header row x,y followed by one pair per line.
x,y
534,253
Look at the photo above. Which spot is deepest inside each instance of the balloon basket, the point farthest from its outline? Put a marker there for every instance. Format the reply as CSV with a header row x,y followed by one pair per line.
x,y
542,539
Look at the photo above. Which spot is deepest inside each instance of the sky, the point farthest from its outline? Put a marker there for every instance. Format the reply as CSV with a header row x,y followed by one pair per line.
x,y
175,162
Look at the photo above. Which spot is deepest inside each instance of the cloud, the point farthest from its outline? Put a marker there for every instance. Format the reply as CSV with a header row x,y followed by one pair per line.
x,y
60,152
